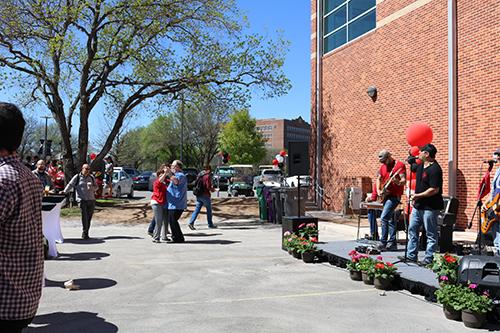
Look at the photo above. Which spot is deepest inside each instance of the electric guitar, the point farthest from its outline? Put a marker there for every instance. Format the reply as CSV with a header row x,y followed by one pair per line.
x,y
385,187
490,214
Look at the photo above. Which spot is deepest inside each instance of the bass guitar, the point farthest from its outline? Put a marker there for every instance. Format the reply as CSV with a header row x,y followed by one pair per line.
x,y
490,214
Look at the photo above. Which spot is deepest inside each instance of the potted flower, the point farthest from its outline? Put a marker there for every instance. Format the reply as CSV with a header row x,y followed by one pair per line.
x,y
446,268
353,265
308,230
475,306
450,296
288,239
307,247
384,273
296,244
366,266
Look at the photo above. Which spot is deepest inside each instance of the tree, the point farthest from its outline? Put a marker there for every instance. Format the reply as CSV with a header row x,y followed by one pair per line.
x,y
128,151
240,139
77,54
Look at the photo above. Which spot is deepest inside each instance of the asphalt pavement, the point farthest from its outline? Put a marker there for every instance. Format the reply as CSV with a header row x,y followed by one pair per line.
x,y
232,279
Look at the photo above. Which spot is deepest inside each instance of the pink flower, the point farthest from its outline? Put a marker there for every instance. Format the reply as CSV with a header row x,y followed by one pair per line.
x,y
353,252
302,225
379,258
287,233
314,239
443,278
472,286
486,293
311,225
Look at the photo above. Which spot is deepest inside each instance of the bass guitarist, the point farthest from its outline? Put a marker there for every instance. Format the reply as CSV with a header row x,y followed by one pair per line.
x,y
391,180
495,190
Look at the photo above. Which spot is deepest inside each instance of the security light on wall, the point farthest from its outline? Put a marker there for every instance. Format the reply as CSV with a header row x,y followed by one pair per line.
x,y
372,91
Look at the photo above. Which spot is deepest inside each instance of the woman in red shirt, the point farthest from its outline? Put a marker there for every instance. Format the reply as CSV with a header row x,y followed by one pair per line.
x,y
158,200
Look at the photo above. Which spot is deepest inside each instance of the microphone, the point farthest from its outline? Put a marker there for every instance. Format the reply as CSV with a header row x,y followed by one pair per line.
x,y
411,159
490,161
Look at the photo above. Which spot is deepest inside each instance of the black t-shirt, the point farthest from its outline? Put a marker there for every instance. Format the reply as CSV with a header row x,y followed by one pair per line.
x,y
432,176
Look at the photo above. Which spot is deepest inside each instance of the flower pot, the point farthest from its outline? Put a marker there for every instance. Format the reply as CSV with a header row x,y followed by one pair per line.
x,y
383,284
366,278
308,257
290,251
452,314
473,319
355,275
296,254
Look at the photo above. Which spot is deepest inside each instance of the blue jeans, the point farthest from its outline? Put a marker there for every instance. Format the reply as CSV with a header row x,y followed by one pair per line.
x,y
429,219
200,202
372,219
495,228
387,221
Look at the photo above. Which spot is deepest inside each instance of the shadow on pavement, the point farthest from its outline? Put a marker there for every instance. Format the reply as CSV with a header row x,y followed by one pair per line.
x,y
63,322
212,241
200,234
85,283
82,256
97,240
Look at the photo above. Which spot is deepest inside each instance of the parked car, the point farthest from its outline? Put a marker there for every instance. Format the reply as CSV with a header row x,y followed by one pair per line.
x,y
241,181
305,181
132,172
141,181
269,177
152,179
191,174
221,177
122,183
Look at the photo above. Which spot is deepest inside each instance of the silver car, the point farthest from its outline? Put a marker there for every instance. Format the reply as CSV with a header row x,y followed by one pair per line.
x,y
122,184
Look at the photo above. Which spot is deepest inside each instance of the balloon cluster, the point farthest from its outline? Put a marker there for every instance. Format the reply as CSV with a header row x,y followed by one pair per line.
x,y
279,159
225,156
418,135
92,156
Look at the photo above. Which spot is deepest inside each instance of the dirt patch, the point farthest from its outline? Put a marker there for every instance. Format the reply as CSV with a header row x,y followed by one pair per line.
x,y
138,212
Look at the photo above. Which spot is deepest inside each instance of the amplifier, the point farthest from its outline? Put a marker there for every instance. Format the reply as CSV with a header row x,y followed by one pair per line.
x,y
481,270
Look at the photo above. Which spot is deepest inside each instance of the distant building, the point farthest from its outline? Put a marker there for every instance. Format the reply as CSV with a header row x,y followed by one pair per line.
x,y
279,132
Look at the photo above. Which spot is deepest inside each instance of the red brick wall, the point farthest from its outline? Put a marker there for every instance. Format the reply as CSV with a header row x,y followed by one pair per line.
x,y
406,60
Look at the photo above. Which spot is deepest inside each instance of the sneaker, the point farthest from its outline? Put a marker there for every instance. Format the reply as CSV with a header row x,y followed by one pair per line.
x,y
403,259
156,241
213,226
392,247
191,226
424,263
166,239
85,235
381,247
150,233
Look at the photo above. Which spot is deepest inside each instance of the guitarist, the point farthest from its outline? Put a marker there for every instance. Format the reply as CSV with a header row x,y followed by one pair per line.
x,y
391,180
495,189
427,202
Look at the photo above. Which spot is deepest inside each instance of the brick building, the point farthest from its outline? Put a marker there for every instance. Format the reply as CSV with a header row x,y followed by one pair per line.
x,y
435,61
279,132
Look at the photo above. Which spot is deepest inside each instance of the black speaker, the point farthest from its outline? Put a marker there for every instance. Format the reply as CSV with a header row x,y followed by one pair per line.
x,y
481,270
298,158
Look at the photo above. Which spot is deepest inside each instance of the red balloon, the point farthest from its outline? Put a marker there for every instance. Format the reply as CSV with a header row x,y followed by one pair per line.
x,y
414,151
283,153
93,156
275,162
419,134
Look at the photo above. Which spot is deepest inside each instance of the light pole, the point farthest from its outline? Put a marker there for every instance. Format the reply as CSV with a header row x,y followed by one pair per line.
x,y
182,127
45,140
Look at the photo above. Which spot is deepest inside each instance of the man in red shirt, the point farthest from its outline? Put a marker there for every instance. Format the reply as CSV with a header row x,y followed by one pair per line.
x,y
203,198
390,186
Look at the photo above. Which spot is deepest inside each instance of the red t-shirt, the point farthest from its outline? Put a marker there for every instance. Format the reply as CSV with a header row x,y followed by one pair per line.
x,y
207,183
386,172
159,192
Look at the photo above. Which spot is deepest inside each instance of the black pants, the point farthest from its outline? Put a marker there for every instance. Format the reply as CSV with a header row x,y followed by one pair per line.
x,y
175,229
87,208
14,326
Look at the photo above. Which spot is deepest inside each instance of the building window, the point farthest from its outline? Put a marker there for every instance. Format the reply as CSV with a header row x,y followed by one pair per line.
x,y
345,20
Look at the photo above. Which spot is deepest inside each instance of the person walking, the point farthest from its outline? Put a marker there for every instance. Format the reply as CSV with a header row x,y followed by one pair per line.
x,y
203,191
158,201
108,175
427,202
176,200
21,238
85,186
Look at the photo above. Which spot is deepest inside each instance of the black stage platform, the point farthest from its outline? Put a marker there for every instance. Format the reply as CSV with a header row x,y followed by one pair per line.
x,y
416,279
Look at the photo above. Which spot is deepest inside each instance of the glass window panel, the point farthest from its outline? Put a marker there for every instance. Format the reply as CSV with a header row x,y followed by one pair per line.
x,y
332,4
358,7
335,40
335,19
363,24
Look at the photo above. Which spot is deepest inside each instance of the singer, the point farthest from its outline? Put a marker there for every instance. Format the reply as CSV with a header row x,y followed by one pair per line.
x,y
428,201
495,189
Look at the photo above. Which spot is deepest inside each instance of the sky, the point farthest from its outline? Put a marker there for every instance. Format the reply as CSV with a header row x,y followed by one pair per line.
x,y
266,17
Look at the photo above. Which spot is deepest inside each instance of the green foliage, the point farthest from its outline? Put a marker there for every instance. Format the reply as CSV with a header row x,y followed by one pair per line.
x,y
367,264
446,267
240,139
461,297
384,270
305,245
308,230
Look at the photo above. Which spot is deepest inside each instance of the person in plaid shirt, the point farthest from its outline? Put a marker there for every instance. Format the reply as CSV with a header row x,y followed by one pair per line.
x,y
21,239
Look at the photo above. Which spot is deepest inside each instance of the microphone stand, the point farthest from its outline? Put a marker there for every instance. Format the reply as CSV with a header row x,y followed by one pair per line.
x,y
406,220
